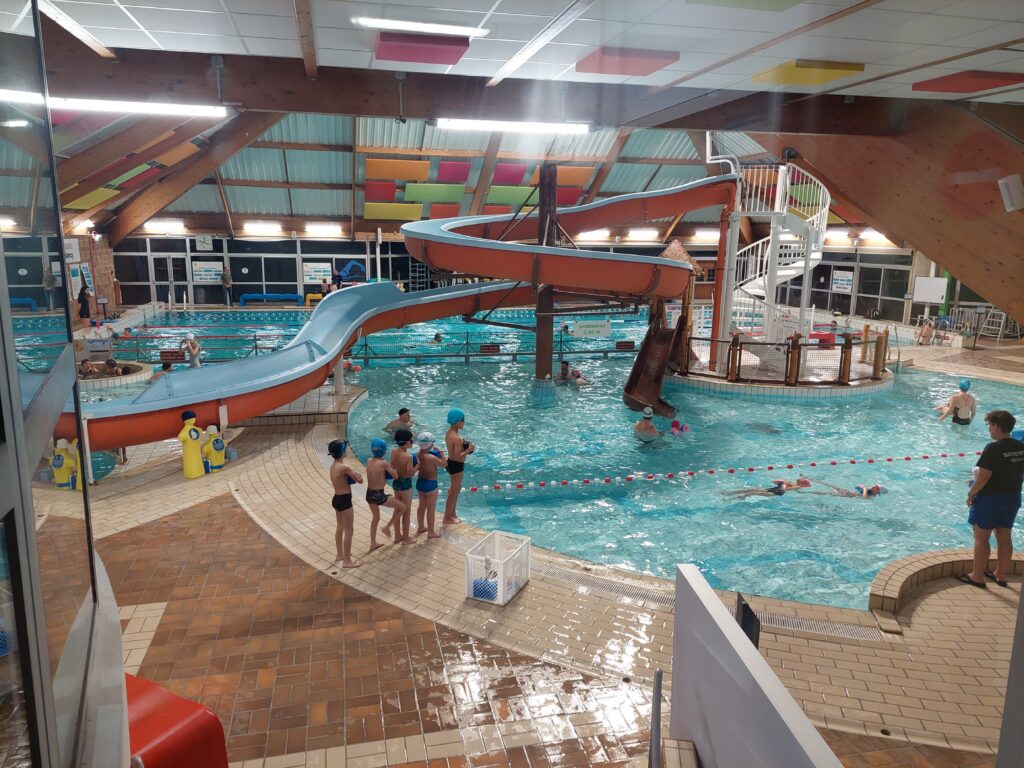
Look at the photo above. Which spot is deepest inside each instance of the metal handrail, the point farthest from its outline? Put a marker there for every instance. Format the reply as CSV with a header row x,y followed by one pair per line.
x,y
654,748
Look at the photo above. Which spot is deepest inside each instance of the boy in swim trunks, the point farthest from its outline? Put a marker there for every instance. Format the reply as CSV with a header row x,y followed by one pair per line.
x,y
426,485
405,463
778,487
341,478
859,491
375,481
458,450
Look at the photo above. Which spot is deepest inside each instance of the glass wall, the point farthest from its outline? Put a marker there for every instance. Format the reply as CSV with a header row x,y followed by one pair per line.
x,y
46,567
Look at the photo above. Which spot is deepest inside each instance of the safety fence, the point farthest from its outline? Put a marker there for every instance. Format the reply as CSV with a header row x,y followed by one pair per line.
x,y
683,474
829,359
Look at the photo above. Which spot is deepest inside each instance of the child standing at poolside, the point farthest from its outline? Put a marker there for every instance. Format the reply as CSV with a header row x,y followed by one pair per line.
x,y
426,485
375,495
458,450
405,463
341,478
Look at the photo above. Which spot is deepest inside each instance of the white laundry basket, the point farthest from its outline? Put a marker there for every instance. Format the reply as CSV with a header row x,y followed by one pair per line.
x,y
497,567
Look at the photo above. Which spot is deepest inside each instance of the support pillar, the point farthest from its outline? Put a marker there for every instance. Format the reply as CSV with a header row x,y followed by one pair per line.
x,y
543,389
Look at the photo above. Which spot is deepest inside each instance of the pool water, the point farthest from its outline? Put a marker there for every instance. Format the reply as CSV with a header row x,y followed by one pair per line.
x,y
802,546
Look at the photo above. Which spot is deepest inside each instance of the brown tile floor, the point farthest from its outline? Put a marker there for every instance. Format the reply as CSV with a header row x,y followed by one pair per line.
x,y
293,661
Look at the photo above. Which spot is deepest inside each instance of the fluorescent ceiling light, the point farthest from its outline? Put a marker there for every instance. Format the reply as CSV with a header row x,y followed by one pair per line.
x,y
554,27
836,234
421,27
643,233
104,105
87,224
874,236
510,126
262,227
7,222
14,124
324,230
707,235
595,234
164,226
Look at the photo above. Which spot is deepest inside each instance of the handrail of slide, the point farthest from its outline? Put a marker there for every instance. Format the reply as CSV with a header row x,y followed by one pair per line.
x,y
467,244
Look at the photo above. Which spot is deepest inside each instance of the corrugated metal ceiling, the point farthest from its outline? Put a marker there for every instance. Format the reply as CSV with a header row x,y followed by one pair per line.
x,y
585,145
676,175
651,142
388,132
442,139
15,191
738,144
255,165
319,167
628,177
12,158
312,129
321,202
203,198
257,200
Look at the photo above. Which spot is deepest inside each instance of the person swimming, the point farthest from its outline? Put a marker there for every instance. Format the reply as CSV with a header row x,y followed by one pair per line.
x,y
777,488
860,491
569,375
961,405
645,429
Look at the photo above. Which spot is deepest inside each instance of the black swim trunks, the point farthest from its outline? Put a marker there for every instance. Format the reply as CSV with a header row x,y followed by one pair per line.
x,y
342,501
376,496
777,489
402,484
455,467
963,422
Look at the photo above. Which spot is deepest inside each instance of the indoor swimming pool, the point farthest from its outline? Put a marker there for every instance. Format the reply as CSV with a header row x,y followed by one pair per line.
x,y
810,546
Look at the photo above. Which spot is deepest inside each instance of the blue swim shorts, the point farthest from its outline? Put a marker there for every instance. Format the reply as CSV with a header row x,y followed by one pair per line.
x,y
997,510
425,486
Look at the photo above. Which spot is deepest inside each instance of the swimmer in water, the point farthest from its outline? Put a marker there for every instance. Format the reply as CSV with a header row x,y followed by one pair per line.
x,y
341,478
645,429
405,463
778,488
961,405
458,450
859,491
375,482
426,485
568,375
404,420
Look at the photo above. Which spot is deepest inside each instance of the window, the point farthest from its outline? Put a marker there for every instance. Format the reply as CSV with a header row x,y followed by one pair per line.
x,y
895,283
870,282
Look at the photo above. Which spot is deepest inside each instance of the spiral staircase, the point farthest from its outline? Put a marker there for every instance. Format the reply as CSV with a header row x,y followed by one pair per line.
x,y
796,206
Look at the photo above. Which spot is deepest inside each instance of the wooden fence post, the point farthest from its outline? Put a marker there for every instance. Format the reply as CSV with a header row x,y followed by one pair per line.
x,y
845,359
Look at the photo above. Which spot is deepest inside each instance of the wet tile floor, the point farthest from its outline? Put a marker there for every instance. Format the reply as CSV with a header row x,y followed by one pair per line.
x,y
300,668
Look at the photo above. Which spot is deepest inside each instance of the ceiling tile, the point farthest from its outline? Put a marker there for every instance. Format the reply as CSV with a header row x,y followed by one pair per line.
x,y
586,77
265,46
1000,10
712,80
584,32
495,50
690,62
330,57
925,54
505,26
660,36
533,70
179,5
732,42
974,81
122,38
994,35
410,66
266,7
476,67
919,6
280,27
1008,60
336,13
190,22
617,10
98,15
815,47
433,15
345,39
559,53
174,41
748,19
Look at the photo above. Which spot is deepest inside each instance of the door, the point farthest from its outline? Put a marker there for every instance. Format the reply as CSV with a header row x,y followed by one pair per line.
x,y
170,278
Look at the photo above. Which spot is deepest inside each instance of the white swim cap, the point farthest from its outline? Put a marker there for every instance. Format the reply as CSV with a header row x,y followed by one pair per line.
x,y
61,444
648,412
425,439
190,336
212,429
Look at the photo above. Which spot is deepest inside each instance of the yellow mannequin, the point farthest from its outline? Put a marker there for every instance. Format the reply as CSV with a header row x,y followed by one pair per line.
x,y
191,455
213,449
79,478
63,465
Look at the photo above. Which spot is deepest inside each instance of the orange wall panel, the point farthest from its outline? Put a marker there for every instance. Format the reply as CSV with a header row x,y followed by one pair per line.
x,y
406,170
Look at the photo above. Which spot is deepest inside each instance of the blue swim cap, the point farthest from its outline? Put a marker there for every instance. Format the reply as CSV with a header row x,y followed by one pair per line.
x,y
965,384
1018,434
378,447
455,416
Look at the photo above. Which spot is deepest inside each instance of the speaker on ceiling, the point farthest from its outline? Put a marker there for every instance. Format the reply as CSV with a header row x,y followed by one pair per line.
x,y
1012,190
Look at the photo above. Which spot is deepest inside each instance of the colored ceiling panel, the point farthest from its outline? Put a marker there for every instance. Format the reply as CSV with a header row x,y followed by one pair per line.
x,y
453,172
380,191
833,219
803,193
176,155
971,81
137,181
444,210
845,213
568,195
509,173
496,210
637,62
157,140
808,72
95,197
393,211
511,195
409,170
130,175
423,49
434,193
568,175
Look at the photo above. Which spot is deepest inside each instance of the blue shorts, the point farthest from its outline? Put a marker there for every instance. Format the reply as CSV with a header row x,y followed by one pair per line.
x,y
425,486
994,511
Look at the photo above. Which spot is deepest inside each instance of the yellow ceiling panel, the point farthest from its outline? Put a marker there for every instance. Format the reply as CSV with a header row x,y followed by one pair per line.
x,y
176,155
95,197
808,72
157,140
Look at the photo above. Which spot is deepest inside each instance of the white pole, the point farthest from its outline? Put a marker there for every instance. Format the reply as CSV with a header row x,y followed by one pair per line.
x,y
366,257
86,454
380,276
222,417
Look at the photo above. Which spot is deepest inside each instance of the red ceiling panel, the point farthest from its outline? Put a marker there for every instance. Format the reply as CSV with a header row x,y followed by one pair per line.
x,y
444,210
626,61
452,172
494,210
971,81
140,179
380,191
568,195
423,49
509,174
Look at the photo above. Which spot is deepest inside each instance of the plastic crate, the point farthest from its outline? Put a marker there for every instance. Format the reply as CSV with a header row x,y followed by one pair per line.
x,y
497,567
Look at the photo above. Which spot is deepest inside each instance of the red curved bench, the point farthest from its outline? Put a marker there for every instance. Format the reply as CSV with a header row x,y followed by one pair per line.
x,y
167,731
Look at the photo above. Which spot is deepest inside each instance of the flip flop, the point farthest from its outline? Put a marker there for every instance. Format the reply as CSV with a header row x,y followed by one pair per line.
x,y
963,577
992,577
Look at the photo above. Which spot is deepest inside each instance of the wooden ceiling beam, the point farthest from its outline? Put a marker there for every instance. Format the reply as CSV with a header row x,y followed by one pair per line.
x,y
483,183
182,134
606,166
224,202
76,169
235,136
304,22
